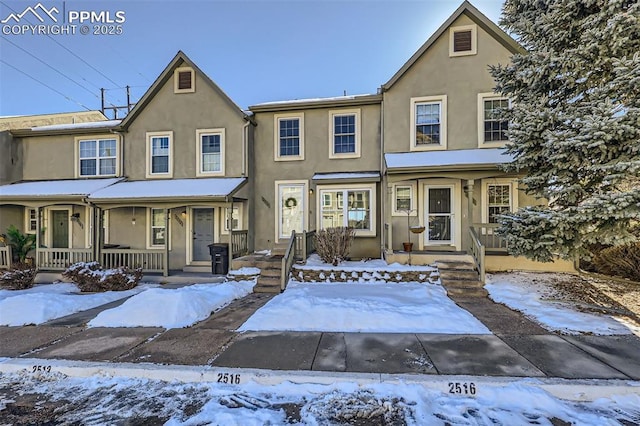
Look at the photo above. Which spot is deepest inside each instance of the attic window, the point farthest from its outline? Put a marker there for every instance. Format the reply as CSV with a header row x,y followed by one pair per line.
x,y
463,40
184,80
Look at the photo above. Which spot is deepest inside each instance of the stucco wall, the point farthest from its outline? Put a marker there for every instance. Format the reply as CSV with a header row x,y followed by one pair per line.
x,y
11,158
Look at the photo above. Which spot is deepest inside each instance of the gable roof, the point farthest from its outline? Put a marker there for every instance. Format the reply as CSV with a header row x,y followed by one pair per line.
x,y
476,16
180,59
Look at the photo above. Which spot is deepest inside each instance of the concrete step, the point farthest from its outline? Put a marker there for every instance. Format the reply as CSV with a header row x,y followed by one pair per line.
x,y
197,268
269,281
467,291
462,283
261,262
271,272
457,265
458,274
266,289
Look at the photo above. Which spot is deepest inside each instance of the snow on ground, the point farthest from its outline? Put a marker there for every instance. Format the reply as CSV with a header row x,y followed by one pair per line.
x,y
114,400
172,308
245,270
522,292
42,303
371,265
384,308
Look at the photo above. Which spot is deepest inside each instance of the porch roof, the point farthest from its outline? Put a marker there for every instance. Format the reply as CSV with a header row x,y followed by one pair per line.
x,y
463,159
53,189
169,189
346,177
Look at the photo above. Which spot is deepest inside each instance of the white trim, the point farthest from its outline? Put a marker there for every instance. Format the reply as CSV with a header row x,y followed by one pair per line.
x,y
105,224
481,98
343,112
207,132
442,101
474,40
97,139
305,204
167,237
223,218
49,230
149,136
276,137
27,220
456,211
188,226
176,79
371,187
414,208
484,202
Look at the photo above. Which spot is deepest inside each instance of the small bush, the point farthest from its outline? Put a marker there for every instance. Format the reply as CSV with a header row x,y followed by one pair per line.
x,y
20,276
623,261
90,277
333,244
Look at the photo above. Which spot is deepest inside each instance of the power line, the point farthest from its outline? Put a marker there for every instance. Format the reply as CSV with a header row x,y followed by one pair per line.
x,y
46,85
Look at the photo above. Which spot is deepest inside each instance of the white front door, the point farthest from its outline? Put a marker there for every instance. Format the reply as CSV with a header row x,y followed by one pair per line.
x,y
291,209
439,215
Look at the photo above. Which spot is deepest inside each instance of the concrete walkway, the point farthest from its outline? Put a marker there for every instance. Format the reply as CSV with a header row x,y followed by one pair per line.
x,y
518,347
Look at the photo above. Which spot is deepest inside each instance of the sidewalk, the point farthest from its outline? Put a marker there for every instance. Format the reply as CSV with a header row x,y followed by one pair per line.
x,y
517,348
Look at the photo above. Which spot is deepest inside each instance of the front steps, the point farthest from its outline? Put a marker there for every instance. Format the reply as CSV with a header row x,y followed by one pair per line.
x,y
270,271
461,279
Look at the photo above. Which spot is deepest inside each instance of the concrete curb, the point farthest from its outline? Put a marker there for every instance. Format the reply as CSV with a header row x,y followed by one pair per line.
x,y
582,390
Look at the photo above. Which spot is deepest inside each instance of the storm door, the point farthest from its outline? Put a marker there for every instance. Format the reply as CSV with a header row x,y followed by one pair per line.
x,y
439,215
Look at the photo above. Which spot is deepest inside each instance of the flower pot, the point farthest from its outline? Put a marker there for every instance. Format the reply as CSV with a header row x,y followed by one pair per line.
x,y
407,246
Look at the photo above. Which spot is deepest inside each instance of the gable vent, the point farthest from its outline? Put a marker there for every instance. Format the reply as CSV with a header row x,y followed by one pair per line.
x,y
462,41
184,80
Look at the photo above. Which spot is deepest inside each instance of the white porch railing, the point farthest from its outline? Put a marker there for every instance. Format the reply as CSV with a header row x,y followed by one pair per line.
x,y
305,244
239,243
148,260
478,253
489,238
5,257
61,258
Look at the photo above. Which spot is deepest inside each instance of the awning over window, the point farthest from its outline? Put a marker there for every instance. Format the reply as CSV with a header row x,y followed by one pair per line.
x,y
346,177
464,159
53,189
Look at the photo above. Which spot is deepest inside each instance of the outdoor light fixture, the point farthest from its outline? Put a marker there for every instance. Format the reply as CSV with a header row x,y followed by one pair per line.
x,y
133,218
183,214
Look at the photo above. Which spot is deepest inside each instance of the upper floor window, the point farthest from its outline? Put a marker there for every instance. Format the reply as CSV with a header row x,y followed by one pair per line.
x,y
97,157
428,123
492,127
345,134
184,80
289,136
159,154
463,40
210,151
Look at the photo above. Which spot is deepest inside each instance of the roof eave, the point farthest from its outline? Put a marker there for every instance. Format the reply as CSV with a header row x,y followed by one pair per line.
x,y
443,168
292,106
56,132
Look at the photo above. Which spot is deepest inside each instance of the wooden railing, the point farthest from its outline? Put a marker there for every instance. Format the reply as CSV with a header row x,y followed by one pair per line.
x,y
239,243
388,244
305,244
477,252
488,236
287,261
61,258
5,257
148,260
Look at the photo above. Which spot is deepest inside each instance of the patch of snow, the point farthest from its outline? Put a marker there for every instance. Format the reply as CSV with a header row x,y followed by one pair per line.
x,y
447,158
382,308
517,291
245,270
263,252
70,126
57,288
372,265
172,308
55,187
210,187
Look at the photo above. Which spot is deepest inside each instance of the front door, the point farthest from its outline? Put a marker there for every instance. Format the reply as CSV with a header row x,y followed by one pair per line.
x,y
439,215
202,233
60,229
291,201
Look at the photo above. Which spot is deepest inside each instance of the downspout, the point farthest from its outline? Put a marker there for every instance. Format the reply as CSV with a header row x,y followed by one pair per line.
x,y
383,185
121,150
245,148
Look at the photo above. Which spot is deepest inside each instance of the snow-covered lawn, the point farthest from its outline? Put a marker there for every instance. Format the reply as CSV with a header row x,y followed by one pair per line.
x,y
172,308
45,302
529,294
380,307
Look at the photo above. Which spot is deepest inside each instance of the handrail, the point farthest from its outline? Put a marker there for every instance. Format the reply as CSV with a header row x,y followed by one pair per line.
x,y
489,237
150,260
5,257
61,258
387,240
287,261
478,253
239,243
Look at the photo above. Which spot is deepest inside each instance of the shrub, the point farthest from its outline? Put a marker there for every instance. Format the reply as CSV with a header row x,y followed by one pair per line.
x,y
19,277
333,244
90,277
623,261
21,243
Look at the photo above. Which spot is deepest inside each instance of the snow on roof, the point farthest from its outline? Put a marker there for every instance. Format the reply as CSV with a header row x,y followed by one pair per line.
x,y
80,187
161,188
302,101
70,126
462,157
346,175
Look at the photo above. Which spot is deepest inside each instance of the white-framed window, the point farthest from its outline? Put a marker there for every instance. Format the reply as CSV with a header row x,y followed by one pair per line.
x,y
289,137
30,220
210,151
96,156
345,133
429,123
157,232
184,80
105,226
499,196
463,40
236,218
492,127
160,154
404,199
353,206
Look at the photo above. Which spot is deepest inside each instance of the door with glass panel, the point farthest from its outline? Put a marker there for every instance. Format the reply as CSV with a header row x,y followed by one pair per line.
x,y
291,208
439,215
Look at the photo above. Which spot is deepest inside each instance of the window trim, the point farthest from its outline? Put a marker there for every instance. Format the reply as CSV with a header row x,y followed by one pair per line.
x,y
414,201
27,220
176,79
342,112
207,132
276,137
474,40
484,198
224,230
149,236
371,187
442,99
149,137
97,138
487,96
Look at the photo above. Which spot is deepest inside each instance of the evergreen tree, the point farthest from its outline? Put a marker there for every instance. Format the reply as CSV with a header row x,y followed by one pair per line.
x,y
574,123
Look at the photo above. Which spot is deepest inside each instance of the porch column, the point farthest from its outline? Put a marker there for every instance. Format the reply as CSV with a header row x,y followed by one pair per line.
x,y
468,190
229,219
165,260
38,236
98,234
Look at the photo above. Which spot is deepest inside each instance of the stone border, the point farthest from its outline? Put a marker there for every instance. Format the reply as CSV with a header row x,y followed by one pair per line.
x,y
351,276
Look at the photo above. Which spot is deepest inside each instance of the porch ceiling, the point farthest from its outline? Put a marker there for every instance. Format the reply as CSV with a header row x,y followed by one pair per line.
x,y
68,190
463,159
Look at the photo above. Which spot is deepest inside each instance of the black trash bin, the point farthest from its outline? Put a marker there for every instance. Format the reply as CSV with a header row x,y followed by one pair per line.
x,y
219,258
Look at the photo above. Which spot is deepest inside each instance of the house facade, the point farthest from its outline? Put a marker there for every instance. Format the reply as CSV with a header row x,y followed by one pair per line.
x,y
418,162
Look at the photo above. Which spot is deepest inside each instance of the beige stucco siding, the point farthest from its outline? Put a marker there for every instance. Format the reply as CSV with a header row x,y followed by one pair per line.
x,y
48,157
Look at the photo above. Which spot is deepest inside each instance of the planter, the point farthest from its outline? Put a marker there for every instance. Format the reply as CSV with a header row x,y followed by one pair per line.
x,y
417,229
407,246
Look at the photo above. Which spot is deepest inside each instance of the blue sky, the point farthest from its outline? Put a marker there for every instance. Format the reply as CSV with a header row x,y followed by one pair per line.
x,y
256,51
